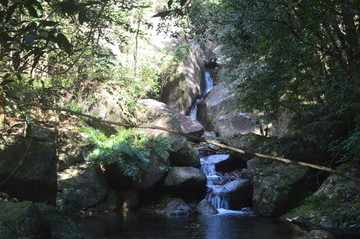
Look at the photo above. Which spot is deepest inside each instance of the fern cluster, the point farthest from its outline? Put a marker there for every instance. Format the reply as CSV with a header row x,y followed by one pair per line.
x,y
129,149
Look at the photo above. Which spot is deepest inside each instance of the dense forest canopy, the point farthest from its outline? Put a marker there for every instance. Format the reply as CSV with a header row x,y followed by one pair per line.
x,y
299,55
302,56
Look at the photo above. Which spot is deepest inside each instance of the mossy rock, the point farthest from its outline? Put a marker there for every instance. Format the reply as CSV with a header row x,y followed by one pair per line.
x,y
335,203
35,221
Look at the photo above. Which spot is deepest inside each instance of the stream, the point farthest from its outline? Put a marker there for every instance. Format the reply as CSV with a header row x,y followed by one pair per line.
x,y
223,226
227,224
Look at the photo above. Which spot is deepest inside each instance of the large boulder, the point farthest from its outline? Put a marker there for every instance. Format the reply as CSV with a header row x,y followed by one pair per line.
x,y
152,173
188,183
182,87
206,208
81,187
219,113
173,207
161,115
28,167
241,193
279,187
35,221
336,202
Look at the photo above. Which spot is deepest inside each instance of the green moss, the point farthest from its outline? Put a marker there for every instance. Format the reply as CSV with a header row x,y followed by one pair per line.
x,y
336,208
11,211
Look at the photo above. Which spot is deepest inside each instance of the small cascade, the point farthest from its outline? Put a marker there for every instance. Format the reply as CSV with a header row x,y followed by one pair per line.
x,y
194,108
218,193
209,85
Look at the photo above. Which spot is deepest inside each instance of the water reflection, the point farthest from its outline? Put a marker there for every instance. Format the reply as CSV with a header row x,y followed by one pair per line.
x,y
140,226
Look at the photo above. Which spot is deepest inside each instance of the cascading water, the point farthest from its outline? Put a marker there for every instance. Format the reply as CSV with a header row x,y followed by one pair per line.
x,y
218,194
209,85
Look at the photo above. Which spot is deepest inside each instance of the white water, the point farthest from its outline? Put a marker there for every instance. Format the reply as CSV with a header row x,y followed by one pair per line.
x,y
209,85
194,108
217,194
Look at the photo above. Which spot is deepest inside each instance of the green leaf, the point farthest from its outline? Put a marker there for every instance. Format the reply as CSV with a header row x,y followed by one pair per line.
x,y
170,2
64,42
32,11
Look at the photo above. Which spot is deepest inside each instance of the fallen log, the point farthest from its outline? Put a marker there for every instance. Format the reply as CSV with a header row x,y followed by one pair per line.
x,y
194,139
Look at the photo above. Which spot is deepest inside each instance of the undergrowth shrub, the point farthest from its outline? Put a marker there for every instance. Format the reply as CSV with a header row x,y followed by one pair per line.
x,y
129,149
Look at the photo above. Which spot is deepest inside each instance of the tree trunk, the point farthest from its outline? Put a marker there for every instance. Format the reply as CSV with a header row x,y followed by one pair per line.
x,y
2,109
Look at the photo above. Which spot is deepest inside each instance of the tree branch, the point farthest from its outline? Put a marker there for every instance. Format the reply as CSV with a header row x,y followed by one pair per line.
x,y
194,139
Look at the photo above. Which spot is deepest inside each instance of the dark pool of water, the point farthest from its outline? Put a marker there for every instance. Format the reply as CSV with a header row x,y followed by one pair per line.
x,y
144,226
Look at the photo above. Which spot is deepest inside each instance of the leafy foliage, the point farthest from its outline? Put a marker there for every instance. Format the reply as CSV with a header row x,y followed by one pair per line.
x,y
302,56
130,150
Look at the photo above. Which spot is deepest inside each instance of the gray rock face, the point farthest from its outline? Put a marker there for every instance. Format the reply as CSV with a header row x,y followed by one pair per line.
x,y
218,112
278,187
186,182
173,207
80,187
180,176
335,203
33,174
180,91
163,116
206,208
35,221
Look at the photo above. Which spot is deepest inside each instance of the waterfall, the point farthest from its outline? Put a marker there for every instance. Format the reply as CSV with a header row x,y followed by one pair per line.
x,y
218,194
209,85
194,107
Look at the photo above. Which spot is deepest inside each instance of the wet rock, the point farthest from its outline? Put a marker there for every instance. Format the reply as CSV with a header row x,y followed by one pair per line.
x,y
317,234
81,187
173,207
240,194
21,220
35,221
186,182
28,169
112,202
130,199
206,208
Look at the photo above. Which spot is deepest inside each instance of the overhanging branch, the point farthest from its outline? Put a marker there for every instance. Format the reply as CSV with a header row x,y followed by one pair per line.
x,y
194,139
